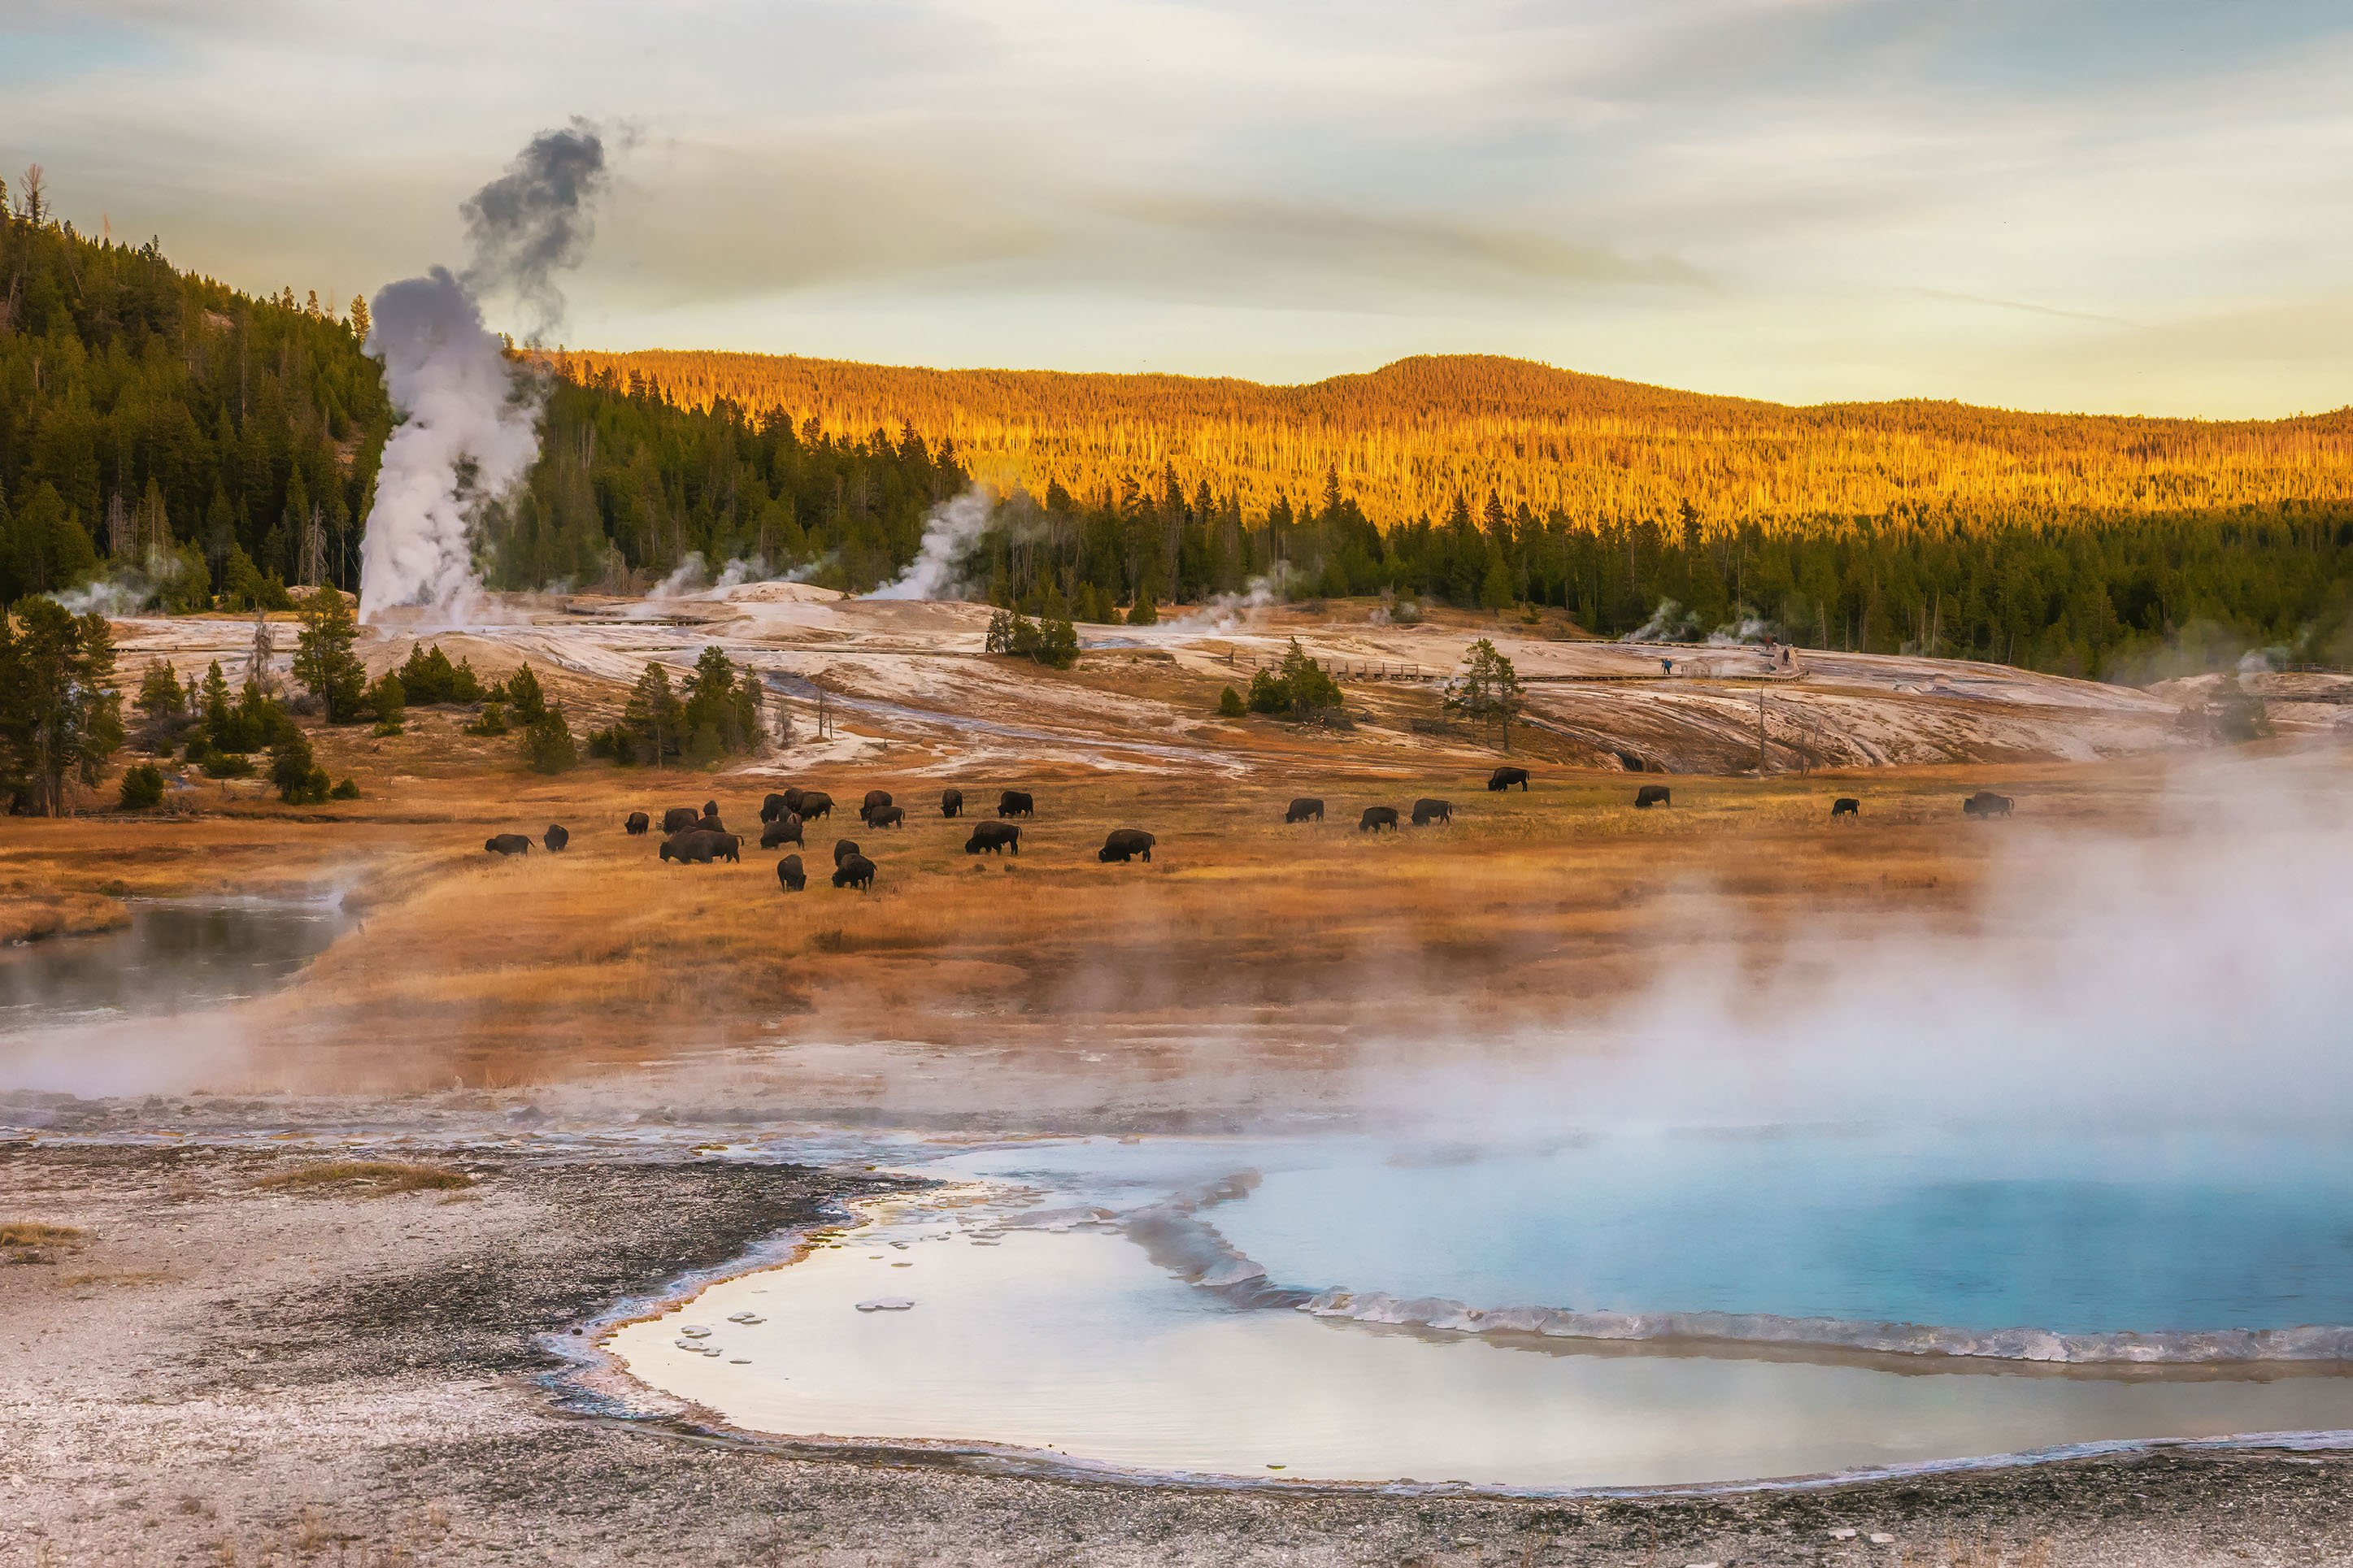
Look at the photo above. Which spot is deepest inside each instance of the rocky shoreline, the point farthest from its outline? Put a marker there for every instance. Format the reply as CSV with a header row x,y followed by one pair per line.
x,y
221,1370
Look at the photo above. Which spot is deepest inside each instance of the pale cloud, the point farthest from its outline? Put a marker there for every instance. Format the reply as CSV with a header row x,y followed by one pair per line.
x,y
2123,204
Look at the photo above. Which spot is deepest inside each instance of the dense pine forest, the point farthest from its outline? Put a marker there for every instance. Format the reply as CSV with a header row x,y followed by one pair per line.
x,y
206,447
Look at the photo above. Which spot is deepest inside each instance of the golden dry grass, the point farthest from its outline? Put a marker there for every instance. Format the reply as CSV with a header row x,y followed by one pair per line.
x,y
479,971
30,917
28,1234
374,1176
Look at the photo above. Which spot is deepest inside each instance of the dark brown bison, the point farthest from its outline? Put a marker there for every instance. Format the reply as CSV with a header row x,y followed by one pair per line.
x,y
993,836
1985,803
854,871
786,829
636,824
951,803
843,848
793,793
701,847
1124,844
887,817
710,808
507,843
1305,808
814,804
1376,817
679,818
789,873
1649,795
772,807
1846,805
1015,803
1427,811
876,799
555,837
1504,778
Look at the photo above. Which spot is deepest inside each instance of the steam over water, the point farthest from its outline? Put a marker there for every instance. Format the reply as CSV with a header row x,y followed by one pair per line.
x,y
2069,1170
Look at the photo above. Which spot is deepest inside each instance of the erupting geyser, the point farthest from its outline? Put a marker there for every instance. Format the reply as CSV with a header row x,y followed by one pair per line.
x,y
469,419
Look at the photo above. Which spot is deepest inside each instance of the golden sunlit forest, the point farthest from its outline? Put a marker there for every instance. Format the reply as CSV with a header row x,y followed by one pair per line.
x,y
1407,439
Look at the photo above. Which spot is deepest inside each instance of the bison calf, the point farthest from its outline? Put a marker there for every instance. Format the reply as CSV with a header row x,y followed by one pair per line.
x,y
1427,811
789,873
636,824
1124,844
1649,795
854,871
1305,808
1376,817
507,843
993,836
1504,778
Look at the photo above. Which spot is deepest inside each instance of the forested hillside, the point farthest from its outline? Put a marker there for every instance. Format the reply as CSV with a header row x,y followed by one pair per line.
x,y
1406,439
169,431
201,446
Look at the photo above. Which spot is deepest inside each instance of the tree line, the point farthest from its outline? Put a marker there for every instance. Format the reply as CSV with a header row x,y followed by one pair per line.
x,y
210,448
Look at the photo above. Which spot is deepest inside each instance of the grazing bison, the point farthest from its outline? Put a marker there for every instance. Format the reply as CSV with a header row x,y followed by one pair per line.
x,y
555,837
699,846
876,799
1376,817
813,803
887,817
1649,795
1845,806
1304,808
1427,811
843,848
854,871
789,873
951,803
1504,778
636,824
1015,803
1985,803
793,793
772,807
1124,844
786,829
993,836
679,818
507,843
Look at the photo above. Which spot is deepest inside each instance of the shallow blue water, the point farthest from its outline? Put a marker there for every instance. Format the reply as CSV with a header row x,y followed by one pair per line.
x,y
2056,1229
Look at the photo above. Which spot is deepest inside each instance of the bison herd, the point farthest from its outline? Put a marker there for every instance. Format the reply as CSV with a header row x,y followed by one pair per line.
x,y
692,838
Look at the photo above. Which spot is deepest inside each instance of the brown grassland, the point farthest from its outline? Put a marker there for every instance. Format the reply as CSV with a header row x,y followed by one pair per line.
x,y
1300,940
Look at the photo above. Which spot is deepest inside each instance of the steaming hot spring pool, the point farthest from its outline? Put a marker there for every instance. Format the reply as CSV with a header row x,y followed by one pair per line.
x,y
1640,1308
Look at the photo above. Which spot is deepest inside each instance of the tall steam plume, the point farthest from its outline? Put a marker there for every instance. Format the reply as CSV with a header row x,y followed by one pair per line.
x,y
470,421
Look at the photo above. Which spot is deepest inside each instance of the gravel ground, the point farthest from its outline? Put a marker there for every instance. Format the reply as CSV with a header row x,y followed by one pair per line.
x,y
226,1374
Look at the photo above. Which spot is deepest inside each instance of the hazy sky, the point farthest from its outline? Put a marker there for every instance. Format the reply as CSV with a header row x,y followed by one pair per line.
x,y
2137,205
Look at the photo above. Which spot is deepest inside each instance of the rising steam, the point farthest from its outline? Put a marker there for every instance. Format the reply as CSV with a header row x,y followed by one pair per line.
x,y
470,421
950,530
